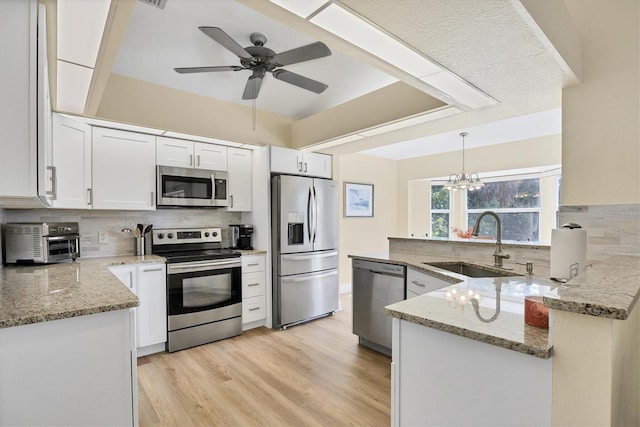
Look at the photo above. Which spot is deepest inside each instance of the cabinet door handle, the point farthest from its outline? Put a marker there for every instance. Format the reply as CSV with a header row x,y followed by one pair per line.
x,y
149,270
253,264
153,201
131,279
254,309
89,197
253,284
299,166
305,167
231,200
415,282
198,160
54,183
190,159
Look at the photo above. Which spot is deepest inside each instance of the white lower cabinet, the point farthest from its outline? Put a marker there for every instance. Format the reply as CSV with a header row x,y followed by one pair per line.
x,y
439,378
419,283
253,291
75,371
148,282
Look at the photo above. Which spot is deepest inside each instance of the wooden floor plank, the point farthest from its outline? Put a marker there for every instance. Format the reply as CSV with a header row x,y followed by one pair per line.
x,y
314,374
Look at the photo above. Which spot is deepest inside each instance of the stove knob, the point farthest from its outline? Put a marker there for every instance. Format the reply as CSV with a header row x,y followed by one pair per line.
x,y
206,234
170,236
160,236
214,234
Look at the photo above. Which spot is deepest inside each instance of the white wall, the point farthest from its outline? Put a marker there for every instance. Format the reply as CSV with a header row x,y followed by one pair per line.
x,y
600,116
366,234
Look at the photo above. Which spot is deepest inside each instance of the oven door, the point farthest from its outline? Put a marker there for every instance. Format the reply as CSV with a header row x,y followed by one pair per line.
x,y
199,286
186,187
61,248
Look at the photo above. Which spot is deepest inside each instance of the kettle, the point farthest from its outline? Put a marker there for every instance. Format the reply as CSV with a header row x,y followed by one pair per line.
x,y
240,236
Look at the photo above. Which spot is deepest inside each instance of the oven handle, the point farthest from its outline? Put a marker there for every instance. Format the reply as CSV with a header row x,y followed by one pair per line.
x,y
187,267
65,237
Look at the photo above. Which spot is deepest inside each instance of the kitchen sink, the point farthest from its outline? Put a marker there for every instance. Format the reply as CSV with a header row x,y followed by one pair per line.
x,y
471,270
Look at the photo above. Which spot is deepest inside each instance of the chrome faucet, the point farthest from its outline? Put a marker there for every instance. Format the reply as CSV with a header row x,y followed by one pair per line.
x,y
498,255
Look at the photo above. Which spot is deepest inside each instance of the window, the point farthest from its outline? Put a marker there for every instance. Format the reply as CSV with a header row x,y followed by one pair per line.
x,y
517,203
440,210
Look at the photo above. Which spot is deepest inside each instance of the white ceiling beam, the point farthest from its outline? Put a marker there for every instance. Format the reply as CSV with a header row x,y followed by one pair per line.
x,y
553,26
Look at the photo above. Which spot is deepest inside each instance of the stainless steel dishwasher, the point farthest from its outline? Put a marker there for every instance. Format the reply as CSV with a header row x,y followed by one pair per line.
x,y
375,285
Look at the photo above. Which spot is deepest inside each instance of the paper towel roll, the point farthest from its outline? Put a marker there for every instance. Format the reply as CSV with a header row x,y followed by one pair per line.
x,y
568,252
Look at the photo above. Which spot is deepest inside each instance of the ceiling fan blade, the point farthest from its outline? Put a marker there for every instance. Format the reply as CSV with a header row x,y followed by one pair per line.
x,y
300,81
223,38
252,88
187,70
302,53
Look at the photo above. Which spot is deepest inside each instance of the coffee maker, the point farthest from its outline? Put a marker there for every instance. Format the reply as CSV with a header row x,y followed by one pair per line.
x,y
240,236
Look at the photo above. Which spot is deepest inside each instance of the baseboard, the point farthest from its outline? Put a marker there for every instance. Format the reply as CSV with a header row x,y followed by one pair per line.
x,y
151,349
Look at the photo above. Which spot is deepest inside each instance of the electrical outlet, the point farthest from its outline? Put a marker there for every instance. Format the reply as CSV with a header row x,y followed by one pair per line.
x,y
103,237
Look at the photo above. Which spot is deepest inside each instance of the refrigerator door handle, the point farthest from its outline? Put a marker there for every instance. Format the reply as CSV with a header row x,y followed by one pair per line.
x,y
307,257
315,214
309,215
306,278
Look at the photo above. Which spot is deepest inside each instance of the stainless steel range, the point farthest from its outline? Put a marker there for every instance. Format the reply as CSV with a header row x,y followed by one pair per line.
x,y
204,285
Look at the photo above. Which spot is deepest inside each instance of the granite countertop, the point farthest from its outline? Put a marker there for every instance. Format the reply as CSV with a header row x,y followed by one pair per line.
x,y
607,289
33,294
443,311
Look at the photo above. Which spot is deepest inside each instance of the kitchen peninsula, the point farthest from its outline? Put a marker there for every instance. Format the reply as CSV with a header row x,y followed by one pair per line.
x,y
445,352
67,344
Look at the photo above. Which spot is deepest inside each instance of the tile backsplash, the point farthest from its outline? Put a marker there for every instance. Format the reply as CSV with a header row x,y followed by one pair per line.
x,y
611,229
112,222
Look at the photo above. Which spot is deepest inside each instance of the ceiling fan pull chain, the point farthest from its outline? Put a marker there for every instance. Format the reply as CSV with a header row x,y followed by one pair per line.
x,y
253,108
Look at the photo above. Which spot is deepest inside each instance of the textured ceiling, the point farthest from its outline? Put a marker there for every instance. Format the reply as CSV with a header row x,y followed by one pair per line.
x,y
157,40
488,43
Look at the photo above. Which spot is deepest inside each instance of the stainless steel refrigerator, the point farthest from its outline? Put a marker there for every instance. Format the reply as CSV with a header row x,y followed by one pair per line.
x,y
304,221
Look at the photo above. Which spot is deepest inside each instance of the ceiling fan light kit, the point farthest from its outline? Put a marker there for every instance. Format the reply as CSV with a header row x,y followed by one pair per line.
x,y
464,181
261,60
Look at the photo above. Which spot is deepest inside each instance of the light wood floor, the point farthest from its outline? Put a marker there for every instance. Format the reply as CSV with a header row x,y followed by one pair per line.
x,y
314,374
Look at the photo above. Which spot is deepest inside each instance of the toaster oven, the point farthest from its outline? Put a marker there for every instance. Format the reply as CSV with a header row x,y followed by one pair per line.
x,y
41,242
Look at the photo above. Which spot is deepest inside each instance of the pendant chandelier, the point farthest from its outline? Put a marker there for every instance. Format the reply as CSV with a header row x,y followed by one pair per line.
x,y
460,182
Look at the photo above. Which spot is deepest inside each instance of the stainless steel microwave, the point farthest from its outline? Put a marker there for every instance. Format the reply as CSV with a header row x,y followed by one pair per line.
x,y
187,187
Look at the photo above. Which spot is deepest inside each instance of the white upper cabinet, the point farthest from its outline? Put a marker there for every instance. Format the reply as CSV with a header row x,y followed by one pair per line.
x,y
190,154
210,156
316,164
295,162
174,152
71,165
123,170
240,179
18,112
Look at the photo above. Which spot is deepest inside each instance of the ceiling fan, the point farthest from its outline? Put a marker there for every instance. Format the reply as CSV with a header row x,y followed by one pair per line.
x,y
260,60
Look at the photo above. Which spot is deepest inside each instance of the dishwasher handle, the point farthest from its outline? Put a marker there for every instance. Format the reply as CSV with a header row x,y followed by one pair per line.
x,y
393,270
387,273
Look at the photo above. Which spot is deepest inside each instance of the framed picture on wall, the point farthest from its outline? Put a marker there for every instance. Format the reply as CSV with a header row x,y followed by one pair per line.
x,y
358,200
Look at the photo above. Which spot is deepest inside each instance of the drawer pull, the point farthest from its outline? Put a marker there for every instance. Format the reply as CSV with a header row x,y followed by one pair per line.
x,y
255,264
254,309
253,284
149,270
415,282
